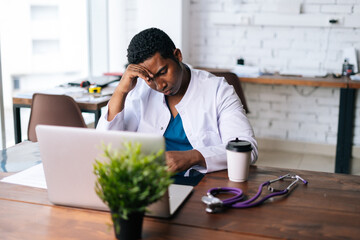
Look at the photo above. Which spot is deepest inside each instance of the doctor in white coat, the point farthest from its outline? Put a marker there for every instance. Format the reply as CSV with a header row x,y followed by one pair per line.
x,y
195,111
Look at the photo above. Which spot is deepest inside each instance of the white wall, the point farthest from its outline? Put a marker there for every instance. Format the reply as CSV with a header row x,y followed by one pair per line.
x,y
296,36
170,16
98,37
271,39
282,112
117,42
294,113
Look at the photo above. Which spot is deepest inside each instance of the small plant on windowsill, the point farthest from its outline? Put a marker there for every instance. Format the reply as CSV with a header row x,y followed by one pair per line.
x,y
127,182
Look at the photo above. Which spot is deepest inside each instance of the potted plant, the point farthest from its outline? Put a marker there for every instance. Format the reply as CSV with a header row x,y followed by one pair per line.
x,y
127,182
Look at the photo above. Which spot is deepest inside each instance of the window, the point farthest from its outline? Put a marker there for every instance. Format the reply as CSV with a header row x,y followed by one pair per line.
x,y
42,45
2,119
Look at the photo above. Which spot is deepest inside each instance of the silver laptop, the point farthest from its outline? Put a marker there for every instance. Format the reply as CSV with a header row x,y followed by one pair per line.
x,y
68,155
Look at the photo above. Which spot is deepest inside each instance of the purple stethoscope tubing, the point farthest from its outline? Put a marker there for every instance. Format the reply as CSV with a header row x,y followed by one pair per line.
x,y
234,201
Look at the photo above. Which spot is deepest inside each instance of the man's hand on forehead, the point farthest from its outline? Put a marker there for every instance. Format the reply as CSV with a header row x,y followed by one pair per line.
x,y
142,71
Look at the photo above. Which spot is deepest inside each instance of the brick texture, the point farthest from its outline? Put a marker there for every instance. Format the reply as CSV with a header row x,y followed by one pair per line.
x,y
282,112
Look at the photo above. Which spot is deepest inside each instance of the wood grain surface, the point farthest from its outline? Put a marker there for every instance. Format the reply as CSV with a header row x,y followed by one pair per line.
x,y
327,208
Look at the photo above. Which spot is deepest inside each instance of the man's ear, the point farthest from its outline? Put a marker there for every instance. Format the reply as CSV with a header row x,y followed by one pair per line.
x,y
178,54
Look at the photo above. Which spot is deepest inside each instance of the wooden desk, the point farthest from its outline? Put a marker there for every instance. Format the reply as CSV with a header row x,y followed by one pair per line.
x,y
346,107
327,208
18,103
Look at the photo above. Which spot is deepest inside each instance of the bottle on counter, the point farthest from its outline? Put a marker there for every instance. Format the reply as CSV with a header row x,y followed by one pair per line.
x,y
347,68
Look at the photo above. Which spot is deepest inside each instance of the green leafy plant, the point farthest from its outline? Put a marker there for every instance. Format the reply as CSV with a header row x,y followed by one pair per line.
x,y
129,181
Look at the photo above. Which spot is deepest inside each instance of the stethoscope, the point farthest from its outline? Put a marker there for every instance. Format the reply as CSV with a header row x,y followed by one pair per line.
x,y
214,204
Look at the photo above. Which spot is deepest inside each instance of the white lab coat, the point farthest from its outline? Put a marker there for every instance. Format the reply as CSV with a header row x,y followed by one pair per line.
x,y
211,112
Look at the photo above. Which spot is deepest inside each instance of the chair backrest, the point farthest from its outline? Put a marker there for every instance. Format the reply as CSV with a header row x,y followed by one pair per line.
x,y
60,110
234,80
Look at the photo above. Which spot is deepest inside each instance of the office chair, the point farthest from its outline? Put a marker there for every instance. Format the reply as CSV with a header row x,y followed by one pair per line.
x,y
233,80
60,110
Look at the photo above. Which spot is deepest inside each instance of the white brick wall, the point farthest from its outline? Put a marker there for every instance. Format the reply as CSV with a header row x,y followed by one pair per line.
x,y
280,111
283,112
336,8
294,113
317,48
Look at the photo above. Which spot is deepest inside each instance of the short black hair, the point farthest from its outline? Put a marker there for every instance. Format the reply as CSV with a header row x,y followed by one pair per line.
x,y
148,42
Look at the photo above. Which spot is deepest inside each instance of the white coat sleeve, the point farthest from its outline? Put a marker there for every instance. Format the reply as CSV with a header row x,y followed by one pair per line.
x,y
232,123
126,120
116,124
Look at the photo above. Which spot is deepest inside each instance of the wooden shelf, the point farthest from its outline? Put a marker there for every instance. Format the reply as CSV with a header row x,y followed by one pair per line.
x,y
354,84
299,81
277,79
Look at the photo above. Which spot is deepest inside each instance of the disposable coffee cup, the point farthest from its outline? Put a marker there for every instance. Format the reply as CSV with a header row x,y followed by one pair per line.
x,y
238,153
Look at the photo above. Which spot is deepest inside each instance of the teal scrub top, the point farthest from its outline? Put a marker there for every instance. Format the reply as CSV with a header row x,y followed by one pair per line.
x,y
176,140
175,137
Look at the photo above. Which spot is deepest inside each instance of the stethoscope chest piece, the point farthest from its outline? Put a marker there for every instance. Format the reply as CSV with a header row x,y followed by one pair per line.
x,y
214,204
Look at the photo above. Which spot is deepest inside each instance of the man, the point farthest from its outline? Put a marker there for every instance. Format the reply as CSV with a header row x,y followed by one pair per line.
x,y
196,112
